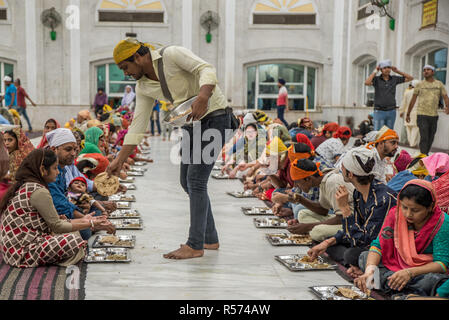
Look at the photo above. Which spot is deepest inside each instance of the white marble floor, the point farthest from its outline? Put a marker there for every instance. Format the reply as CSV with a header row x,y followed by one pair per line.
x,y
243,267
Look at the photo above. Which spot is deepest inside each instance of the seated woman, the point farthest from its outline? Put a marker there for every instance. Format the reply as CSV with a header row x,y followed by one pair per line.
x,y
19,146
32,233
331,149
4,166
412,249
50,125
94,137
253,146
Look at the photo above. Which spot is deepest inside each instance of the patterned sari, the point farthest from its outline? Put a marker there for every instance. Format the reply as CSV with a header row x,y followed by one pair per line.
x,y
24,147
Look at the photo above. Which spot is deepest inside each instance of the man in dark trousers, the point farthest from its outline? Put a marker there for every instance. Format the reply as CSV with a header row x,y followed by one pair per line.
x,y
181,75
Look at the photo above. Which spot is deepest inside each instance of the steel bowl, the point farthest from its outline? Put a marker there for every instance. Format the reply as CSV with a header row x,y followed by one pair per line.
x,y
178,116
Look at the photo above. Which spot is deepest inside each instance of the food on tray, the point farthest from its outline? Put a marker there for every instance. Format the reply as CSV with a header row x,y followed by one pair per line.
x,y
116,257
124,243
109,239
349,293
134,225
314,263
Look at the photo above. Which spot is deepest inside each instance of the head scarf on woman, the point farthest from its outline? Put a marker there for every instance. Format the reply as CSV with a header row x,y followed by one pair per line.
x,y
401,248
92,137
29,171
436,163
44,143
128,97
24,147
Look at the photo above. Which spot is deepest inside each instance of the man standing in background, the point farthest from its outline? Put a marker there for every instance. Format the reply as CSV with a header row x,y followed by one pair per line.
x,y
429,92
282,101
10,93
385,93
21,103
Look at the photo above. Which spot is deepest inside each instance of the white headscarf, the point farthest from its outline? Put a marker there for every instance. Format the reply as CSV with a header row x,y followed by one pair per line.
x,y
360,161
249,118
385,63
128,97
60,136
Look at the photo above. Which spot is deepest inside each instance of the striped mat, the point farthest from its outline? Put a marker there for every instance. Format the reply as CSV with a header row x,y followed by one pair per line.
x,y
41,283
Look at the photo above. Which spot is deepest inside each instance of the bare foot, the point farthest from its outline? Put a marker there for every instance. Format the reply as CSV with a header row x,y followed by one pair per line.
x,y
212,246
185,252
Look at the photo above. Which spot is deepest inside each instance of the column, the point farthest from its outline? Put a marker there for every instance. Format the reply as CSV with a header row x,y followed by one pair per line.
x,y
187,22
337,69
31,50
230,48
72,23
348,90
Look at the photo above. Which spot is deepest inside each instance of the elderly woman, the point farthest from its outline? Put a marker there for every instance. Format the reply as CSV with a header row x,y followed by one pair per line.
x,y
19,146
32,233
331,149
94,137
412,249
128,97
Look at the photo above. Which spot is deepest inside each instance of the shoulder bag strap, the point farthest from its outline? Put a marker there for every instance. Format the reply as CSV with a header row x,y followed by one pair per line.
x,y
162,79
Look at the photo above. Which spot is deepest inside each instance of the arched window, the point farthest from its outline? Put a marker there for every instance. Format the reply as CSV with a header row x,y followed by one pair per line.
x,y
262,85
6,69
131,11
110,78
368,91
3,10
438,59
288,12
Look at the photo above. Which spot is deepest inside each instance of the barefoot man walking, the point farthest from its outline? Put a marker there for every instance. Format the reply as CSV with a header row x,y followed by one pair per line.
x,y
175,74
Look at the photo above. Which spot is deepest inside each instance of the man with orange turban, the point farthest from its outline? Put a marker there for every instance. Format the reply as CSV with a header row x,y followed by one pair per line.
x,y
321,219
178,74
385,146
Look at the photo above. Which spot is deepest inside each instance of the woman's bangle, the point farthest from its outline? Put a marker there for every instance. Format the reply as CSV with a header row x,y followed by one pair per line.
x,y
92,223
409,273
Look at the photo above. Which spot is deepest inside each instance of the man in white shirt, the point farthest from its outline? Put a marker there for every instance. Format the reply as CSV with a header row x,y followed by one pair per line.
x,y
186,76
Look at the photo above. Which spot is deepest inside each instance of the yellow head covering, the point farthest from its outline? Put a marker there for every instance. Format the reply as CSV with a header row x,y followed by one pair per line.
x,y
126,48
107,108
70,124
276,147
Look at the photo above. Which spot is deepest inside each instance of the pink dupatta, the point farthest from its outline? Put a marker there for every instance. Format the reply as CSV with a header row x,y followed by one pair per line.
x,y
400,248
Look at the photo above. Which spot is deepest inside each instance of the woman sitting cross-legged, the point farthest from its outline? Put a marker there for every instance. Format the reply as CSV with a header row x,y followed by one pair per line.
x,y
412,250
31,231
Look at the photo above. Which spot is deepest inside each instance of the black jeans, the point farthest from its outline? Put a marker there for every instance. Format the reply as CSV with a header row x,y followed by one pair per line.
x,y
198,159
345,255
281,110
427,129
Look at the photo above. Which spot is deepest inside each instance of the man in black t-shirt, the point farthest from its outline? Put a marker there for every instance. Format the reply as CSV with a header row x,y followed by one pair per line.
x,y
385,93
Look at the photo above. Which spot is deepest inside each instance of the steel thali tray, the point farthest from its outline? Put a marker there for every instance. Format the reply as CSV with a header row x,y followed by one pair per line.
x,y
240,194
285,239
122,197
108,255
140,164
332,293
277,223
221,176
135,173
127,224
124,214
137,169
257,211
123,205
130,186
127,180
293,263
124,241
